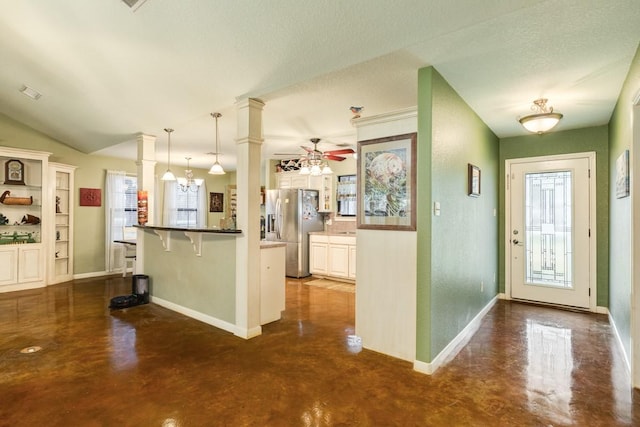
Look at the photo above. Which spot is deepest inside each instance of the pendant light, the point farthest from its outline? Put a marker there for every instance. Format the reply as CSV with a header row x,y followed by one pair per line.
x,y
168,175
216,169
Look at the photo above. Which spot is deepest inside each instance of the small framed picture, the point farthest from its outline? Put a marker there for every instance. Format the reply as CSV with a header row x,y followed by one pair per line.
x,y
474,180
216,202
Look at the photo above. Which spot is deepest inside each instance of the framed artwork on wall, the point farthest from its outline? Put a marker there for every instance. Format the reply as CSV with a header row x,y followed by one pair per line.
x,y
386,183
474,180
90,197
622,175
216,202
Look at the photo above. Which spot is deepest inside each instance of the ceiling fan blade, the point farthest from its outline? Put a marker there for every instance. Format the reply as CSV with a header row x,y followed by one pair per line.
x,y
332,157
307,149
341,151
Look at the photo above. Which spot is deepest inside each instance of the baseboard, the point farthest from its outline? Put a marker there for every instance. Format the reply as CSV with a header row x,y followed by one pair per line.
x,y
627,364
92,275
450,351
602,310
213,321
502,295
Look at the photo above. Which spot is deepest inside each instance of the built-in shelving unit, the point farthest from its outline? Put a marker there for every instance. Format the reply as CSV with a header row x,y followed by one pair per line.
x,y
24,223
61,178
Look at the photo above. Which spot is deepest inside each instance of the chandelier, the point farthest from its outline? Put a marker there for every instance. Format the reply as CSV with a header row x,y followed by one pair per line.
x,y
216,169
543,118
168,175
188,182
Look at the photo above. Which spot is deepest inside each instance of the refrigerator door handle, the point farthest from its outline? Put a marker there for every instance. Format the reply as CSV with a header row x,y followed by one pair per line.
x,y
278,225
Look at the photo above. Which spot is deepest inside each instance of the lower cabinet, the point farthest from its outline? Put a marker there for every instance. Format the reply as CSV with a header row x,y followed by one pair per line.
x,y
332,256
272,283
21,264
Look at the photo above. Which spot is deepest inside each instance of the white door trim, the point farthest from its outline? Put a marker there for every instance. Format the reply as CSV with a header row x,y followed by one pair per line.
x,y
634,174
591,155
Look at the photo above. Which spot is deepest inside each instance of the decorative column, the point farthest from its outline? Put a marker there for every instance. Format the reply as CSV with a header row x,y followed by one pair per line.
x,y
248,147
146,181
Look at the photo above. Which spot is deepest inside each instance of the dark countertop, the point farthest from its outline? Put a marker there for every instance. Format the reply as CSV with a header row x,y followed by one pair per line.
x,y
188,229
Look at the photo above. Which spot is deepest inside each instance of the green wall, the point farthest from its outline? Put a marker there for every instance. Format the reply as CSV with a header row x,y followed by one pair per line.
x,y
620,139
457,251
570,141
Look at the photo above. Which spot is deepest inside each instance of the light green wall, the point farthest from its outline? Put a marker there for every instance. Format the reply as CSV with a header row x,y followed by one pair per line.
x,y
206,284
89,222
570,141
457,251
620,138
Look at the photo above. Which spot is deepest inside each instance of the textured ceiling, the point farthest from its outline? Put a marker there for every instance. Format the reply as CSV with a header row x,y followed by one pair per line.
x,y
107,72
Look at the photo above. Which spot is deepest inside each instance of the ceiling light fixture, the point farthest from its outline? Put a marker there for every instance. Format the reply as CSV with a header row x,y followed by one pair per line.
x,y
216,169
188,182
313,163
30,92
168,175
543,118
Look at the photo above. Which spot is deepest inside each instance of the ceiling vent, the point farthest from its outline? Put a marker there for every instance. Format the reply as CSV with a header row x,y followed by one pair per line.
x,y
134,4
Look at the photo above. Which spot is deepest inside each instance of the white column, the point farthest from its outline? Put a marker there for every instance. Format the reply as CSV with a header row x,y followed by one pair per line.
x,y
248,147
146,181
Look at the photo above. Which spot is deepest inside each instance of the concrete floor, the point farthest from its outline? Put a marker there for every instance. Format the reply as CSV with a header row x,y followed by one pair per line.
x,y
148,366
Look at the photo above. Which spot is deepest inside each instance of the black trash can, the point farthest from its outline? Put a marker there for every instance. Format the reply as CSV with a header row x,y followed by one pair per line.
x,y
140,287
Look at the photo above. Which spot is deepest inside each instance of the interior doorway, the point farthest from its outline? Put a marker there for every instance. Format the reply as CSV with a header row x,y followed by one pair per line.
x,y
549,238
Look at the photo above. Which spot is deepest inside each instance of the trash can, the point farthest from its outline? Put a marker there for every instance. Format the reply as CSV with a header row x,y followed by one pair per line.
x,y
140,287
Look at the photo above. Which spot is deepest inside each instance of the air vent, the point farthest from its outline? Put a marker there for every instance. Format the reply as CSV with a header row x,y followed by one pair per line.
x,y
134,4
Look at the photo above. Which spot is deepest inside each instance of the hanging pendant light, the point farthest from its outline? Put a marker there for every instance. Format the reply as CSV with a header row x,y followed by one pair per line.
x,y
168,175
543,118
216,169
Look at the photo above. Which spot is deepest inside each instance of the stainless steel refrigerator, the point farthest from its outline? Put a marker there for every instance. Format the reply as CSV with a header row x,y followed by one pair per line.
x,y
290,215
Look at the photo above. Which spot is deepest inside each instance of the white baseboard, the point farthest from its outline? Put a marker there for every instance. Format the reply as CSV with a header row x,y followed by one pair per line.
x,y
213,321
92,275
602,310
627,364
456,344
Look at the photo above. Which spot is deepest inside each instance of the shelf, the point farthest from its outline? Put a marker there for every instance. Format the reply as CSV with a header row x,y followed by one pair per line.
x,y
62,241
28,187
62,189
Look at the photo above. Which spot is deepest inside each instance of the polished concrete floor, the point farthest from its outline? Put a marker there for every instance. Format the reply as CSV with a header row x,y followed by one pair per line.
x,y
148,366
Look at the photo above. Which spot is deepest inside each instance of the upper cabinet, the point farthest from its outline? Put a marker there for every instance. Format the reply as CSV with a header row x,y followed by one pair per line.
x,y
322,183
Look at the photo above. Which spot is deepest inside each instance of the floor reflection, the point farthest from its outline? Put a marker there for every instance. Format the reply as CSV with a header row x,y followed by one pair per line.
x,y
123,345
549,371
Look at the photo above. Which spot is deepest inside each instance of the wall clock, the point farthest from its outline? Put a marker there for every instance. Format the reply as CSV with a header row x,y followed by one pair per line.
x,y
14,172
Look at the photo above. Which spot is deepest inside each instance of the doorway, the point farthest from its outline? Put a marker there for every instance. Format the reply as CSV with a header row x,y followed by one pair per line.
x,y
550,243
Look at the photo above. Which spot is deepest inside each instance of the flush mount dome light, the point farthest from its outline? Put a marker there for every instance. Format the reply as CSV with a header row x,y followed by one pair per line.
x,y
543,118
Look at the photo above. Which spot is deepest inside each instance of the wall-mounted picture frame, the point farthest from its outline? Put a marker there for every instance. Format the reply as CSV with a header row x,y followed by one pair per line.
x,y
622,175
474,177
386,181
91,197
216,202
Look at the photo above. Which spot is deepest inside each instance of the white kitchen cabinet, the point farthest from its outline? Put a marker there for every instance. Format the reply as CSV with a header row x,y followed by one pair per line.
x,y
322,183
21,266
319,255
332,255
352,262
272,282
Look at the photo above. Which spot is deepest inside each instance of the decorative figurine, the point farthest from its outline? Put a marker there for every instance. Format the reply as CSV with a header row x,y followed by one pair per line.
x,y
58,205
3,220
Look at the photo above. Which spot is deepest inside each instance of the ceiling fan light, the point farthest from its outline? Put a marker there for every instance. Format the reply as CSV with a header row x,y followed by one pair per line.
x,y
326,170
304,170
168,176
216,169
315,170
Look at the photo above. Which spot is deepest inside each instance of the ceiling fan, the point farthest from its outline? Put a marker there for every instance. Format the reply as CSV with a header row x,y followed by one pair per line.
x,y
313,154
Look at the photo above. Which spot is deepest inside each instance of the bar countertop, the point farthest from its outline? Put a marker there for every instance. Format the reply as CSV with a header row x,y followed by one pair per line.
x,y
188,229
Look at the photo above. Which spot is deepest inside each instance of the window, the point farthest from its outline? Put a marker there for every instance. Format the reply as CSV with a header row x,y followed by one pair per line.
x,y
130,201
184,208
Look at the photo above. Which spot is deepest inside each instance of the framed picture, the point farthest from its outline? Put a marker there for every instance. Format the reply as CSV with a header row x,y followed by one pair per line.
x,y
474,180
386,183
90,197
622,175
215,202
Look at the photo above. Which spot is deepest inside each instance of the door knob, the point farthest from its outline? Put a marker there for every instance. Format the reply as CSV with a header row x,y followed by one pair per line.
x,y
516,241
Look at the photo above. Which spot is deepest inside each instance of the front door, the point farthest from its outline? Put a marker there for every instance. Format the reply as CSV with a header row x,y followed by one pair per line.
x,y
549,230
